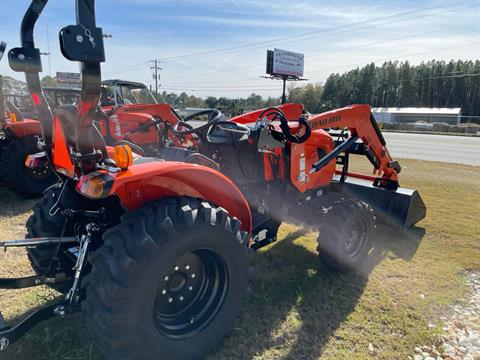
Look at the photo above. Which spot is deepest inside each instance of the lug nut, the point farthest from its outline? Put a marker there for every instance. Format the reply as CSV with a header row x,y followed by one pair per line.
x,y
176,268
187,267
180,298
193,276
165,278
170,300
164,291
190,288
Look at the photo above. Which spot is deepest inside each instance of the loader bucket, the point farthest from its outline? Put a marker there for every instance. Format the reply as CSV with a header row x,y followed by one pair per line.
x,y
403,207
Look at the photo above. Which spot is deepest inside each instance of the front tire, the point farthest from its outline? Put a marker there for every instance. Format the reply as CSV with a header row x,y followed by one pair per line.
x,y
20,179
345,237
168,282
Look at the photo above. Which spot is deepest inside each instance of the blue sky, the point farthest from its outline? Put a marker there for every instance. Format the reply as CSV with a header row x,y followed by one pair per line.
x,y
217,47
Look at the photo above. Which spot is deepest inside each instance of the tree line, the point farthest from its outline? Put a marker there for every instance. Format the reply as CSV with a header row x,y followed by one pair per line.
x,y
228,106
399,84
393,84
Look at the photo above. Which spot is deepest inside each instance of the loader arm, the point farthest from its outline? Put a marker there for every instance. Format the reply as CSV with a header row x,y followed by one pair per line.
x,y
392,204
362,125
83,42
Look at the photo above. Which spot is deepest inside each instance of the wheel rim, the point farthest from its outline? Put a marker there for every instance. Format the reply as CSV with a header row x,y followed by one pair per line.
x,y
190,294
356,239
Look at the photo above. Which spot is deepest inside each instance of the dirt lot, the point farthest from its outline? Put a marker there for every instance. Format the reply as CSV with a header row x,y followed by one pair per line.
x,y
297,308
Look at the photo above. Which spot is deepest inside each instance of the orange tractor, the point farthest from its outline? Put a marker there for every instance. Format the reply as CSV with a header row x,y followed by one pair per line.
x,y
131,115
156,251
19,138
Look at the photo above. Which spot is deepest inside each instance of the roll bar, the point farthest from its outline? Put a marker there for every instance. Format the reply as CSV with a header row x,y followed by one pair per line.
x,y
3,46
84,43
27,59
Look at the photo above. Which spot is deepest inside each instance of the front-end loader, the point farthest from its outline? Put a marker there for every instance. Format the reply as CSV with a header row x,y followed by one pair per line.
x,y
156,251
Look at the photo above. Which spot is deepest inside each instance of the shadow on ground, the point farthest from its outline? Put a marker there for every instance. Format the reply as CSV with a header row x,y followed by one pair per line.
x,y
12,204
295,306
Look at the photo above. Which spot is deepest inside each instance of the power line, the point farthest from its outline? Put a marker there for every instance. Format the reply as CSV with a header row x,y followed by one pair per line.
x,y
219,90
220,87
399,57
156,68
316,54
384,60
429,78
441,77
296,37
126,68
311,34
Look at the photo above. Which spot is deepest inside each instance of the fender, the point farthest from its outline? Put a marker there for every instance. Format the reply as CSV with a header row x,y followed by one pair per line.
x,y
156,179
23,128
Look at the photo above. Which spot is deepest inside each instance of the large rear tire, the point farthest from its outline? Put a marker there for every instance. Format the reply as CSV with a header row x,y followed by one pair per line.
x,y
345,237
20,179
42,223
4,141
168,282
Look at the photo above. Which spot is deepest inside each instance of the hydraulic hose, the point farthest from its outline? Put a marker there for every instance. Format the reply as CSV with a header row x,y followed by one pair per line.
x,y
279,115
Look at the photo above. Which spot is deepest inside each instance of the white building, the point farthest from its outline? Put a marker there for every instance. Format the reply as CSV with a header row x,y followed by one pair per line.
x,y
451,116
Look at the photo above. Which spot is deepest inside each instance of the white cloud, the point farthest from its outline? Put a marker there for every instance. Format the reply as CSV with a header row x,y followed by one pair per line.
x,y
341,35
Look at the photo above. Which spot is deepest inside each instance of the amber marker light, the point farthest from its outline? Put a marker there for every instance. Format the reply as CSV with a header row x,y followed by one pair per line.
x,y
95,185
122,154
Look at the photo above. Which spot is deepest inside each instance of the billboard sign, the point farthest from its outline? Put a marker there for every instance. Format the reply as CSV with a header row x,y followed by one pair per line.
x,y
283,62
66,77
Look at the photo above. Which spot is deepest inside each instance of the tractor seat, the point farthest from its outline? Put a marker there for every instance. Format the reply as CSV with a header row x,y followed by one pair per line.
x,y
67,114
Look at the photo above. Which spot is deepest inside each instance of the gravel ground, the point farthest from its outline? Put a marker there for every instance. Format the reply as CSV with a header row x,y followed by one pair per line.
x,y
460,336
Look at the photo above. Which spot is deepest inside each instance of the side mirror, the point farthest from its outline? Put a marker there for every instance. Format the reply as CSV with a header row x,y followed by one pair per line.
x,y
3,46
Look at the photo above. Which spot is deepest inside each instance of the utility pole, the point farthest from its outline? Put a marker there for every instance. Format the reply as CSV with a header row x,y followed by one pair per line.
x,y
156,76
284,96
49,67
47,53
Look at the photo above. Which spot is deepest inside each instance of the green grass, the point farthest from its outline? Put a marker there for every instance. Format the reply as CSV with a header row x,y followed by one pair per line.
x,y
297,309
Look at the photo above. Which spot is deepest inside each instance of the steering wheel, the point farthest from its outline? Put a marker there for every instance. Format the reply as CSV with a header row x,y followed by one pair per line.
x,y
215,117
228,131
